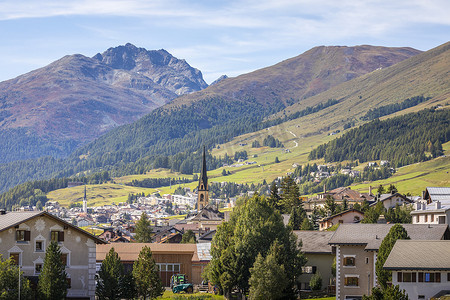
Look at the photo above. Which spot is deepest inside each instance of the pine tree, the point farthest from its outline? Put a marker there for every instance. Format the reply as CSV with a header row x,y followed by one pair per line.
x,y
143,230
274,198
306,225
396,232
145,273
53,278
110,276
295,220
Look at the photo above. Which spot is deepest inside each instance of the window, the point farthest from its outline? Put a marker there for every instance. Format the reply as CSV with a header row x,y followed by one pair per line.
x,y
406,277
64,258
39,246
22,235
349,261
426,218
448,276
441,220
309,269
417,219
351,281
429,277
176,268
367,260
37,269
57,236
15,257
168,267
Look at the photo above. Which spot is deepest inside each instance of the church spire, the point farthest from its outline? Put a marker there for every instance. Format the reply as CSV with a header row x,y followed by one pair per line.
x,y
203,191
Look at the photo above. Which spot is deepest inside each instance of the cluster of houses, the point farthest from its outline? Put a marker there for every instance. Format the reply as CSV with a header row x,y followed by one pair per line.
x,y
420,266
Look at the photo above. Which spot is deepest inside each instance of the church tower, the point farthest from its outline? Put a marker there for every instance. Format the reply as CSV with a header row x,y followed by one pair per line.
x,y
85,200
203,192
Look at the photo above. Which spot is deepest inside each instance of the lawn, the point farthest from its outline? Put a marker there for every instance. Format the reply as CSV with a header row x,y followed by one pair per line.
x,y
203,296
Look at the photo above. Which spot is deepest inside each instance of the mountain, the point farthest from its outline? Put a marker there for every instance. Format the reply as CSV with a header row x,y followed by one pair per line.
x,y
52,110
215,115
305,75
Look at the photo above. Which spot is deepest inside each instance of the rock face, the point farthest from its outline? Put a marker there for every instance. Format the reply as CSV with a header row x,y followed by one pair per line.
x,y
159,66
78,98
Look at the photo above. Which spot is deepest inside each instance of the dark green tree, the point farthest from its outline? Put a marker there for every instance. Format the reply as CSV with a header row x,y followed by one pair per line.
x,y
189,237
307,224
399,214
267,276
253,228
143,230
53,278
9,281
290,195
277,160
295,219
110,276
274,197
392,189
396,232
224,172
372,214
145,273
330,205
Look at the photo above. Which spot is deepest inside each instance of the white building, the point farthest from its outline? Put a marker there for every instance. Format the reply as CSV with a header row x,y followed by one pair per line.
x,y
425,272
436,209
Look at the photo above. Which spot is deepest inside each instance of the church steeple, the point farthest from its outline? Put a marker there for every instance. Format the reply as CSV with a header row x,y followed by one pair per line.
x,y
203,191
85,200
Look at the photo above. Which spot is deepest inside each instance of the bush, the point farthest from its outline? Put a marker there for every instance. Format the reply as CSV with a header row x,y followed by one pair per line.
x,y
316,282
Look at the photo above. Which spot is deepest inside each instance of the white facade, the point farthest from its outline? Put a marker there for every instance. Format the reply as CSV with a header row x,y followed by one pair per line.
x,y
433,213
425,289
183,200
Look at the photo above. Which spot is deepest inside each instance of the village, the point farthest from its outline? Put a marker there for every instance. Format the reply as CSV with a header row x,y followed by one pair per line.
x,y
342,240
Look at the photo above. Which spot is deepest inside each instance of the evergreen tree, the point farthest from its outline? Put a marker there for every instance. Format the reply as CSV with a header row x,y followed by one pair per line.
x,y
295,219
307,225
274,198
145,273
253,228
189,237
396,232
110,276
277,160
9,281
330,205
53,278
290,195
391,292
268,277
143,230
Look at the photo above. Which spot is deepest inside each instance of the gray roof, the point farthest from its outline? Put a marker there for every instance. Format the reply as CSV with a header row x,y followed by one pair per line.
x,y
11,219
203,251
315,241
439,193
372,235
421,255
384,197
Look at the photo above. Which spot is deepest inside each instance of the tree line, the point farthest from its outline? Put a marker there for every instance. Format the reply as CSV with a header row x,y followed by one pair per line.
x,y
402,140
385,110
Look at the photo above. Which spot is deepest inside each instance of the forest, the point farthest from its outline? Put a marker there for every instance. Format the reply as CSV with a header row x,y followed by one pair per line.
x,y
401,140
385,110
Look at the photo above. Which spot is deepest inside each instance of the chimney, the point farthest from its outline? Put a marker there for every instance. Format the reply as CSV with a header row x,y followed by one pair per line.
x,y
438,204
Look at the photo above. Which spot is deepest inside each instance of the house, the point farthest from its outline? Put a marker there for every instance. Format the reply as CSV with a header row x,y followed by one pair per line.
x,y
432,194
433,213
425,272
392,199
339,194
435,207
347,216
170,258
24,236
356,253
319,256
207,219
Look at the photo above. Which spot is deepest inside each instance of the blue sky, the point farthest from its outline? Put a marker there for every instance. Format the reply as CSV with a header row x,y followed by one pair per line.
x,y
217,37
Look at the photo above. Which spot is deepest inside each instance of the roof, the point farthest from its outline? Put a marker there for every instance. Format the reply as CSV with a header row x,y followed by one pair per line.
x,y
438,194
314,241
342,213
384,197
372,235
208,214
422,255
11,219
130,251
345,192
208,236
203,251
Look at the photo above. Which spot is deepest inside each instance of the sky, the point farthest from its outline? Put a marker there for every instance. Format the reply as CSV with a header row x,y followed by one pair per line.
x,y
230,37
